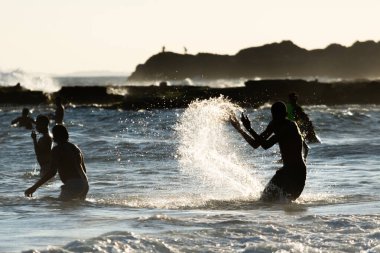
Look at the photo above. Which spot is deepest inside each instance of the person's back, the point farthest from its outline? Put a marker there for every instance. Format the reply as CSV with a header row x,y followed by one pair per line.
x,y
67,158
290,142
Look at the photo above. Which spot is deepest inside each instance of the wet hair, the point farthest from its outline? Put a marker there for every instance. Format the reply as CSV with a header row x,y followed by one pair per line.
x,y
278,110
60,133
43,120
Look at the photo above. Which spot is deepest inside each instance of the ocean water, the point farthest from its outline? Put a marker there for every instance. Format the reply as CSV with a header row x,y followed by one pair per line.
x,y
183,180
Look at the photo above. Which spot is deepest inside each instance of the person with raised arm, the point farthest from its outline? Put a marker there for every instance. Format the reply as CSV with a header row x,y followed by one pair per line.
x,y
42,147
289,181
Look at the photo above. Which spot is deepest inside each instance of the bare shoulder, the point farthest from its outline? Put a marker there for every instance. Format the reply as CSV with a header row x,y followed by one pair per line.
x,y
46,139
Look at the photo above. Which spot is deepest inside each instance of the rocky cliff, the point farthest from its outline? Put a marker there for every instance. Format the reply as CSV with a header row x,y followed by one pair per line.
x,y
277,60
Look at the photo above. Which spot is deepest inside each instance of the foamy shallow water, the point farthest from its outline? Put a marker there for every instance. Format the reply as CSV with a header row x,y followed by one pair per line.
x,y
182,180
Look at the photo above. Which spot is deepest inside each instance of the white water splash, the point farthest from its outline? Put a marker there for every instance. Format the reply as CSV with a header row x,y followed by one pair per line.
x,y
28,81
207,152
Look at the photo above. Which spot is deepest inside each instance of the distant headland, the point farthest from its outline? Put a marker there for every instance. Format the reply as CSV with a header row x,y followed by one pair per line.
x,y
276,60
353,71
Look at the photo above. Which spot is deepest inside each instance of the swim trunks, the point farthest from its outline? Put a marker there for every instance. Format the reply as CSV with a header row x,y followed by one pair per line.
x,y
286,184
74,189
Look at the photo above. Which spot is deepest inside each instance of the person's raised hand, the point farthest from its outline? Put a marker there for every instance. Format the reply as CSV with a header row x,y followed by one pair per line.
x,y
235,122
33,135
246,122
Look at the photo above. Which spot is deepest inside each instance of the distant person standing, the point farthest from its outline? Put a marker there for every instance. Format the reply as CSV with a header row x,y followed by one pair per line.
x,y
24,120
67,160
59,111
297,114
42,147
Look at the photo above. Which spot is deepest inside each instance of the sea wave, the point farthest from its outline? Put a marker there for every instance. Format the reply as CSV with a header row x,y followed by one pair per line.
x,y
33,82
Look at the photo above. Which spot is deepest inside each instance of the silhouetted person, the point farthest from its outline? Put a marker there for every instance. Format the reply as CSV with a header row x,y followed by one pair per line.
x,y
24,120
67,159
289,181
42,147
297,114
59,111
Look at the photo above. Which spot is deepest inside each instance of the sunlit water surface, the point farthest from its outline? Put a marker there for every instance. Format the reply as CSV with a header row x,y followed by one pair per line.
x,y
183,180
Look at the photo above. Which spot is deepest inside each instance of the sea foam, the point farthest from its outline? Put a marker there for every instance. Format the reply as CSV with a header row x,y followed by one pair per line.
x,y
207,152
33,82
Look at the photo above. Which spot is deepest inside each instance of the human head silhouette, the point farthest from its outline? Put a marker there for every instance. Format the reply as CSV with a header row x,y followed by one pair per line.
x,y
278,110
25,112
60,133
293,98
42,123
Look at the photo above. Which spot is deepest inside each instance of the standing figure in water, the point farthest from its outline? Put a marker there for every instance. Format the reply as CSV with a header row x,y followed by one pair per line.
x,y
59,111
297,114
42,147
24,120
289,181
67,159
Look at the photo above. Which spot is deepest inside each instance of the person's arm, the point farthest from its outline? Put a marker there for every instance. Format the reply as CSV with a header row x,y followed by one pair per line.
x,y
305,150
300,114
84,168
235,123
15,121
82,162
37,146
261,139
80,166
34,138
267,132
50,174
42,147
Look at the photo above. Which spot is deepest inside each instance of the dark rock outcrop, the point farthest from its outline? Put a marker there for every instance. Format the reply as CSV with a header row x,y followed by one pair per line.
x,y
277,60
19,95
256,93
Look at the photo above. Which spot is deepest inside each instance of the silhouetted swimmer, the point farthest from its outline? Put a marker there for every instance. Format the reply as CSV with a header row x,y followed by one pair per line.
x,y
289,181
67,159
42,147
59,111
297,114
24,120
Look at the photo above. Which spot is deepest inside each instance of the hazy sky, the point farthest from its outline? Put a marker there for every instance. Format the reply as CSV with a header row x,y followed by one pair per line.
x,y
62,36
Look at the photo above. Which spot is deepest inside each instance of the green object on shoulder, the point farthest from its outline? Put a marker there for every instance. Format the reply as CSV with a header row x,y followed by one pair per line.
x,y
291,111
